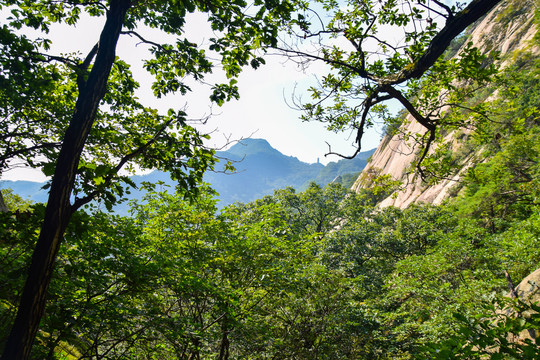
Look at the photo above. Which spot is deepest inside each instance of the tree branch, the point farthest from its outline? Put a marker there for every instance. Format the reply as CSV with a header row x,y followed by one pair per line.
x,y
360,72
368,103
348,157
427,146
49,58
83,67
108,179
445,7
511,287
396,94
18,152
437,12
140,37
438,45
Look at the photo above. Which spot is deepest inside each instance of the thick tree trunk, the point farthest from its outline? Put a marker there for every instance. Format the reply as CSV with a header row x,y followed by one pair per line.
x,y
59,209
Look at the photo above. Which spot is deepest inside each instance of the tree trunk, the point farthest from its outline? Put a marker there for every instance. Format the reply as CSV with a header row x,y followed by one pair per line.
x,y
3,207
59,209
224,348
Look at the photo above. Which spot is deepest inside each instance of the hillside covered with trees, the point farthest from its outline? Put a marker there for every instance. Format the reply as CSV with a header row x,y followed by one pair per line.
x,y
324,273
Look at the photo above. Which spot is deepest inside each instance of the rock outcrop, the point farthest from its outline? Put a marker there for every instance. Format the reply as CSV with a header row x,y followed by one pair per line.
x,y
508,28
529,288
527,291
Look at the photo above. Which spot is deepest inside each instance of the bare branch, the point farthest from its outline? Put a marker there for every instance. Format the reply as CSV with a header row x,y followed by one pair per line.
x,y
436,12
426,147
319,33
20,152
385,43
368,103
358,71
318,17
330,152
49,58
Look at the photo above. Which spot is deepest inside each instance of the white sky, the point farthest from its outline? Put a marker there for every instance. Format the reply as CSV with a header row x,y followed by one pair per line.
x,y
261,112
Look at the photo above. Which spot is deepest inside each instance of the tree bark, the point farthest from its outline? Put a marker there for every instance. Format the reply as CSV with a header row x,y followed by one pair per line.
x,y
59,210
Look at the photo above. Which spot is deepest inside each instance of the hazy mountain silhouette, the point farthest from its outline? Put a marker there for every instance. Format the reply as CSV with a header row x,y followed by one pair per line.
x,y
260,169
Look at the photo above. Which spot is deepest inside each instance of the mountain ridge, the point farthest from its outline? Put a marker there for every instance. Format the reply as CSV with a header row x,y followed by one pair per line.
x,y
260,169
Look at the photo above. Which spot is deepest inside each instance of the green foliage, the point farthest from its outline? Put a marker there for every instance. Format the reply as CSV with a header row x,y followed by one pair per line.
x,y
318,312
505,187
18,233
315,211
377,187
315,274
39,89
15,202
426,289
495,337
518,246
456,45
89,125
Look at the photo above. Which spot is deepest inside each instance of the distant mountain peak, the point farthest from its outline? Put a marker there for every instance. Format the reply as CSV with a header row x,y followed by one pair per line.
x,y
247,147
261,169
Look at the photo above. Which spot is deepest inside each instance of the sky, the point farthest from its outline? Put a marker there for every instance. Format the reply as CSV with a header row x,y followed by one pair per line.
x,y
264,110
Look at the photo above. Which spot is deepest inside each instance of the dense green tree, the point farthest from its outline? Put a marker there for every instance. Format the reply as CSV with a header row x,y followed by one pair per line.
x,y
175,280
505,187
18,234
518,246
425,290
86,125
383,283
316,210
257,281
14,202
313,311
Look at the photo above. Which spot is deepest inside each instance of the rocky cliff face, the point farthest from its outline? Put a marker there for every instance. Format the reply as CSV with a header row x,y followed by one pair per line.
x,y
508,28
